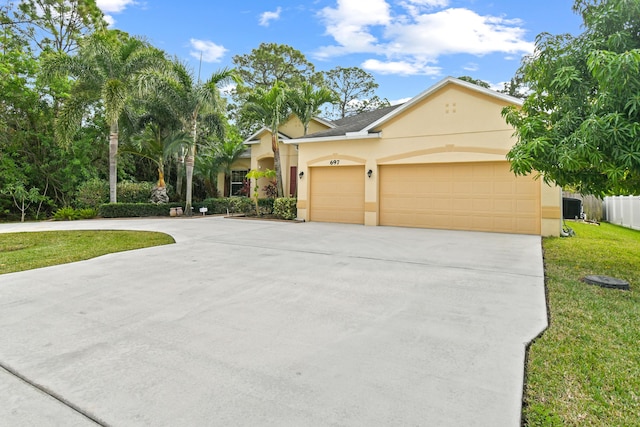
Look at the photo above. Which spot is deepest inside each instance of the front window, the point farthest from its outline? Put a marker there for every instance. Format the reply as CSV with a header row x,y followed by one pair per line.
x,y
238,180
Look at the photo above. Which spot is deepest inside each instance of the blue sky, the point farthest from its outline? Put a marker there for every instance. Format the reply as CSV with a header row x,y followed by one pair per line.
x,y
407,45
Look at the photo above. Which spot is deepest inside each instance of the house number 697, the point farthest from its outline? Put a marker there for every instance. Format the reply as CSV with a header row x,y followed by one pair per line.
x,y
334,162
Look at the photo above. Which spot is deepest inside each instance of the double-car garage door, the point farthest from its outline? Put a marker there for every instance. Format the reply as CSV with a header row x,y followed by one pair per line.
x,y
458,196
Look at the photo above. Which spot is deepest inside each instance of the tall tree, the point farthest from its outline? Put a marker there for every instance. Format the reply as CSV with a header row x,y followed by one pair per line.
x,y
271,62
261,68
272,108
305,102
355,91
105,72
196,104
58,25
580,126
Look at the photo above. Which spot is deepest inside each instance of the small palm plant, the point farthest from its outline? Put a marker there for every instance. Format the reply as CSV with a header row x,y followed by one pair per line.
x,y
256,175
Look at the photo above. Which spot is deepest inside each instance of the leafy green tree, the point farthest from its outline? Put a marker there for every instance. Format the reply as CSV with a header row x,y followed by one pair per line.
x,y
355,91
515,87
305,102
105,70
23,198
262,68
272,62
272,108
580,126
478,82
58,25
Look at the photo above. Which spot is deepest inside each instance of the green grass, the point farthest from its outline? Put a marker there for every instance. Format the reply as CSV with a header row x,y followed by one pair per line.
x,y
25,251
585,369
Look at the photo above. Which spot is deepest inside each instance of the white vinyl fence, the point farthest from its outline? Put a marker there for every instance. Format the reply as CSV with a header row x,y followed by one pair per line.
x,y
623,210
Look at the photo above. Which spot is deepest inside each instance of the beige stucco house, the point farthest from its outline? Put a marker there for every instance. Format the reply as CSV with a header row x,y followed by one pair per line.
x,y
436,161
261,155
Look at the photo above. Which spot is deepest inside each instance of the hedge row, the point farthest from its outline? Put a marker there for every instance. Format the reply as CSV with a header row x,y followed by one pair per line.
x,y
284,208
128,210
95,192
226,205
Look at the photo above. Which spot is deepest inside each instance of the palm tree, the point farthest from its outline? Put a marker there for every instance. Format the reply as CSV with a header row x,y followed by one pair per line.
x,y
195,104
206,168
305,102
271,108
105,72
157,145
226,154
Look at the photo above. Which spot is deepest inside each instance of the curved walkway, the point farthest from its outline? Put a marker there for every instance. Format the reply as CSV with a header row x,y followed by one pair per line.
x,y
270,323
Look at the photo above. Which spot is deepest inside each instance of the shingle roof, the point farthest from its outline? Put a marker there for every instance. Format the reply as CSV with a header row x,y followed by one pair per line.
x,y
354,123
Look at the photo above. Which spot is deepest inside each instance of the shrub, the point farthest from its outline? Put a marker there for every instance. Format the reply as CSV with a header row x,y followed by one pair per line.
x,y
270,190
87,213
285,208
128,210
134,192
92,193
266,206
214,205
241,205
235,204
65,214
95,192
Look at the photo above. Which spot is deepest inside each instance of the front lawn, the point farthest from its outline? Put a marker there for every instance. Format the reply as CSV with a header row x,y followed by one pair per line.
x,y
25,251
585,369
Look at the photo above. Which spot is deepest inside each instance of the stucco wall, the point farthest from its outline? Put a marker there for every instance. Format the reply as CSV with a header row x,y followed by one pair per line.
x,y
262,151
240,164
452,125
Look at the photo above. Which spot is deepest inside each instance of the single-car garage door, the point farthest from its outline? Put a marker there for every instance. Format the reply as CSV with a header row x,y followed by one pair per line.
x,y
337,194
459,196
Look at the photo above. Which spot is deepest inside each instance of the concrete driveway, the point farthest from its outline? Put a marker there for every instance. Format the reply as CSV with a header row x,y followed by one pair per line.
x,y
273,324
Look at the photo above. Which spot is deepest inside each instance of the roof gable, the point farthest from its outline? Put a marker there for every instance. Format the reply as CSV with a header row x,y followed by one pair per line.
x,y
366,123
437,87
255,138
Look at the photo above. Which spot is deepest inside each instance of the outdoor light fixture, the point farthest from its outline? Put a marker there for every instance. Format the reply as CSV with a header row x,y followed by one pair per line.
x,y
369,173
301,174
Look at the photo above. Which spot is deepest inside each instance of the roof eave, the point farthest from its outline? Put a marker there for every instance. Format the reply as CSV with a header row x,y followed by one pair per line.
x,y
348,136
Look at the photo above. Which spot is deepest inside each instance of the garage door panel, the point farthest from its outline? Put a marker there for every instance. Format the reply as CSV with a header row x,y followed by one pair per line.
x,y
337,194
481,196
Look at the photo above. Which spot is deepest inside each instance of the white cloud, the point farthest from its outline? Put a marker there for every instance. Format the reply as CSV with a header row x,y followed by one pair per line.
x,y
109,20
267,17
497,86
399,101
210,51
417,33
113,6
430,3
471,66
402,68
415,7
454,31
349,25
